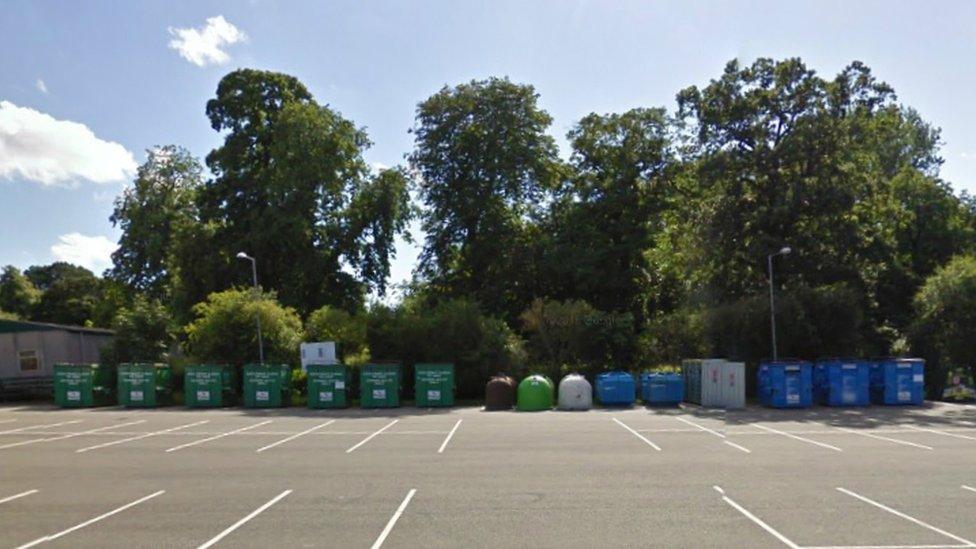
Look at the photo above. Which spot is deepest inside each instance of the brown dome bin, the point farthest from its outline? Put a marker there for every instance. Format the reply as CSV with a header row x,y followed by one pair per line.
x,y
500,393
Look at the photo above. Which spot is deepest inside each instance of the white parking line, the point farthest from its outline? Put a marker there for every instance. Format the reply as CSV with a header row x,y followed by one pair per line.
x,y
244,520
7,420
716,433
939,432
22,429
296,435
758,521
638,435
393,520
879,437
139,437
18,496
71,435
370,437
89,522
906,517
795,437
215,437
964,487
449,436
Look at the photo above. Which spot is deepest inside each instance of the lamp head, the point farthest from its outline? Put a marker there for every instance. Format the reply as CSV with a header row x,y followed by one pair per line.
x,y
785,250
242,255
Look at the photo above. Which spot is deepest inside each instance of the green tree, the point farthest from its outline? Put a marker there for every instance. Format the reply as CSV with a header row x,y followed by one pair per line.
x,y
69,294
609,211
485,164
18,295
291,188
224,328
142,333
945,326
161,198
347,330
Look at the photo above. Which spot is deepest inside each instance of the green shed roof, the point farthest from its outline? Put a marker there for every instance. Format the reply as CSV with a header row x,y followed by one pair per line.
x,y
9,326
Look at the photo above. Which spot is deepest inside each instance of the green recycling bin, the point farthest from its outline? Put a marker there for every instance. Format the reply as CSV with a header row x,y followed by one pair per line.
x,y
267,385
83,385
328,385
143,385
209,385
434,385
379,386
535,393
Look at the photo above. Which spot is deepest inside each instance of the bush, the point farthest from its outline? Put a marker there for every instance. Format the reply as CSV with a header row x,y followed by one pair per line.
x,y
451,331
945,326
347,330
224,329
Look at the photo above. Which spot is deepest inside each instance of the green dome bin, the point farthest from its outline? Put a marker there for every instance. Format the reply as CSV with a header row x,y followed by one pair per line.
x,y
535,393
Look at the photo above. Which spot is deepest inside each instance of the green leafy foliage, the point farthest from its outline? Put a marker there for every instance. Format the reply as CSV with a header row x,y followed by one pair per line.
x,y
143,333
18,295
347,330
945,328
224,330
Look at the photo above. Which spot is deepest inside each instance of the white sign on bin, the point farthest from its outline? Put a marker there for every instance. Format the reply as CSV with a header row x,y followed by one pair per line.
x,y
318,352
379,394
135,396
203,395
74,395
261,395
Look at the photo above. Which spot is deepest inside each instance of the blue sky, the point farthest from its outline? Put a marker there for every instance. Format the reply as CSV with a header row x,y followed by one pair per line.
x,y
86,87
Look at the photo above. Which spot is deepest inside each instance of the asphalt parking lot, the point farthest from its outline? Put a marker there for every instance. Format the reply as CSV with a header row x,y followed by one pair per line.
x,y
869,478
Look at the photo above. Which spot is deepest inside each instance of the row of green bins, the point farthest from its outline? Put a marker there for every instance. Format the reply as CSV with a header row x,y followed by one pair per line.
x,y
145,385
83,385
209,385
327,385
267,385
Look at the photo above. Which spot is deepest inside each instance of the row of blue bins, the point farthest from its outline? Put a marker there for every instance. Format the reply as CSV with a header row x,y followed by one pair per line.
x,y
797,384
620,388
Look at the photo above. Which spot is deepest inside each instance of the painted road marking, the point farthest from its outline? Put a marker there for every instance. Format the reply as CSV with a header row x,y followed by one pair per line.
x,y
22,429
370,437
139,437
879,437
71,435
938,432
215,437
907,517
638,435
293,437
393,520
449,436
758,521
7,420
795,437
964,487
716,433
89,522
18,496
213,541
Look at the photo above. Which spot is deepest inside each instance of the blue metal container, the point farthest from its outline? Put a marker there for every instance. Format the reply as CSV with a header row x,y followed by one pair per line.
x,y
898,381
785,384
616,389
838,382
658,389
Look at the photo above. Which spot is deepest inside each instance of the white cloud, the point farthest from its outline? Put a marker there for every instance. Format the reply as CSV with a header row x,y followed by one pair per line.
x,y
41,86
41,148
92,252
203,46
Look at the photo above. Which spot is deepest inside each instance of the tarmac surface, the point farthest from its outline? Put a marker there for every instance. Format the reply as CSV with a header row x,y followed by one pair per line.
x,y
895,478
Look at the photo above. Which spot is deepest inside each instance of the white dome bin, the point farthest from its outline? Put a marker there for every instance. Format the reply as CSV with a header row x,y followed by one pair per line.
x,y
575,393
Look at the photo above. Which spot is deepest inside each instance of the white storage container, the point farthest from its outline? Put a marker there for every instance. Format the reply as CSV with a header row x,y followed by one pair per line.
x,y
319,352
715,382
575,393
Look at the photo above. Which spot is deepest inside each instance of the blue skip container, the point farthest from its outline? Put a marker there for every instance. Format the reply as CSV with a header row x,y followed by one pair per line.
x,y
616,389
785,384
838,382
662,389
898,381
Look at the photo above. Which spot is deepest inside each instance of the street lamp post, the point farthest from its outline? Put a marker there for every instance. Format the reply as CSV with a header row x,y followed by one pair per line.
x,y
772,302
257,316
